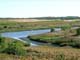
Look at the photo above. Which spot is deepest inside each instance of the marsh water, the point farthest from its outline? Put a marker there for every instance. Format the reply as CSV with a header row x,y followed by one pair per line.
x,y
22,34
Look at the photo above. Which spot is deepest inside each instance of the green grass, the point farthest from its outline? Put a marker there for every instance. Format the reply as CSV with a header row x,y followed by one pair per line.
x,y
12,46
63,38
6,25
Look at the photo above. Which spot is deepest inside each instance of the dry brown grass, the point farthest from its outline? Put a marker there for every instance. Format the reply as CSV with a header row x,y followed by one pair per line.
x,y
46,53
57,53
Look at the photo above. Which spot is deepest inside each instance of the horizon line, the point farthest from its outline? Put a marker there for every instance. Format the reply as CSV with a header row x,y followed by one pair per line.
x,y
39,16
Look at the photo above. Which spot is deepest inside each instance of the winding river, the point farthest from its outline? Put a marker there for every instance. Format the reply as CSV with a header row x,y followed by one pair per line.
x,y
21,34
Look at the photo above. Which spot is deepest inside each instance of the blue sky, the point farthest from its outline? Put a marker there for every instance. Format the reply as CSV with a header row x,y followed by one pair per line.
x,y
39,8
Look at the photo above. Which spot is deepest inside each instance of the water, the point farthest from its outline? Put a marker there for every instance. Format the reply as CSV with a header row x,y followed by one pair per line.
x,y
21,34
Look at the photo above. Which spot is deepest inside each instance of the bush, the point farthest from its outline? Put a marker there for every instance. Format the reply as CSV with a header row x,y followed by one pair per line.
x,y
65,27
78,31
52,30
15,48
5,26
11,46
3,44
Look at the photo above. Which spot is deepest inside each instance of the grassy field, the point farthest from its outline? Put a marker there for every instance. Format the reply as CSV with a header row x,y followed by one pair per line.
x,y
46,53
56,53
11,25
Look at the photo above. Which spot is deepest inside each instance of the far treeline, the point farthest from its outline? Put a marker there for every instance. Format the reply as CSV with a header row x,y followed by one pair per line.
x,y
47,18
61,18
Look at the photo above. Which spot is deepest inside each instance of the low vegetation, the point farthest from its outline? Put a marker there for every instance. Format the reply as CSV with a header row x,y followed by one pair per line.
x,y
12,46
9,25
68,41
62,38
78,31
46,53
54,53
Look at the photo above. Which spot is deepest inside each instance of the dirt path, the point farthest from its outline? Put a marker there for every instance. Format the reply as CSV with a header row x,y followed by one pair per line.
x,y
27,20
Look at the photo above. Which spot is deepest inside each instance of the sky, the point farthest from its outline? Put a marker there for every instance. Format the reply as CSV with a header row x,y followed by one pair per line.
x,y
39,8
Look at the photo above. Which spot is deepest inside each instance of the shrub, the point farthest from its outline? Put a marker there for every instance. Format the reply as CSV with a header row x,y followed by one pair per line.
x,y
15,48
65,27
5,26
11,46
52,30
78,31
3,44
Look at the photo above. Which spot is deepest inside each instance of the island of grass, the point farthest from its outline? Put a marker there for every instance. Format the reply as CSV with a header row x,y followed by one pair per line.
x,y
62,38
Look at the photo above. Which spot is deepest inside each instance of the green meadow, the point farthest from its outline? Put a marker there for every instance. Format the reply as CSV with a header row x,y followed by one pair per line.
x,y
10,25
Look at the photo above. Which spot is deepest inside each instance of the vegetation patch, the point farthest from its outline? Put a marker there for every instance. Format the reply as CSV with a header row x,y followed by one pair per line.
x,y
62,38
7,25
11,46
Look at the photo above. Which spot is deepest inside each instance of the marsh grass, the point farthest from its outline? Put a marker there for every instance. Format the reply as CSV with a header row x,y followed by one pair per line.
x,y
7,25
46,53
